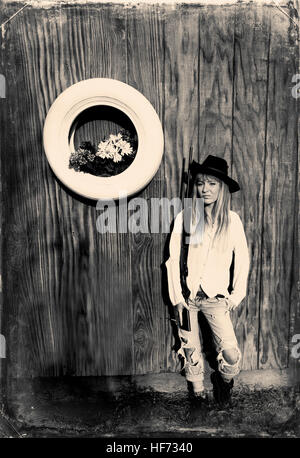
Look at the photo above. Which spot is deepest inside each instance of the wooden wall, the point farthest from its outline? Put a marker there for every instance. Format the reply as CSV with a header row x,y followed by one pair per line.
x,y
78,302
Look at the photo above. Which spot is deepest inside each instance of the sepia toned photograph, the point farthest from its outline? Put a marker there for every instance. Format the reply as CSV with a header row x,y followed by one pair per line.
x,y
149,183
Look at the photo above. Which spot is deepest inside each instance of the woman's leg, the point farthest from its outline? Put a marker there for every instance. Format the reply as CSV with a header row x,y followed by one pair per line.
x,y
191,352
229,355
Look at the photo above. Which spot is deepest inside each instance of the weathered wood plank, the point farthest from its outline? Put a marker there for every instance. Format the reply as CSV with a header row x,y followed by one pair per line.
x,y
181,116
181,41
110,311
4,147
3,109
73,220
64,285
68,289
30,326
294,328
248,167
294,316
145,73
216,82
278,246
216,78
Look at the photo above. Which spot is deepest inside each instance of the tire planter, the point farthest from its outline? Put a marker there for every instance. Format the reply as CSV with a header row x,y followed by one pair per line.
x,y
59,132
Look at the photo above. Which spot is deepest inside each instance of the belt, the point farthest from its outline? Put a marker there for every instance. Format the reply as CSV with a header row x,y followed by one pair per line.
x,y
201,294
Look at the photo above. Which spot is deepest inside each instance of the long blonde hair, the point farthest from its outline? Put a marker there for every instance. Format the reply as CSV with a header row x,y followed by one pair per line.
x,y
220,211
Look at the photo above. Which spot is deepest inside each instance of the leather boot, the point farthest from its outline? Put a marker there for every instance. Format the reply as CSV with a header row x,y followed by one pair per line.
x,y
222,390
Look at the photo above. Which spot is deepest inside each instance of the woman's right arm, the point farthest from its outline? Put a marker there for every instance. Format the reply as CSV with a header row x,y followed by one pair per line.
x,y
241,264
173,264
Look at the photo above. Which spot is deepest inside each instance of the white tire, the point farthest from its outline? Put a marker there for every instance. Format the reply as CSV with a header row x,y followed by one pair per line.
x,y
59,140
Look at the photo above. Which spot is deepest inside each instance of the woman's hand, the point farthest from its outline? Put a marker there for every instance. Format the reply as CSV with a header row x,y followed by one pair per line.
x,y
178,312
182,305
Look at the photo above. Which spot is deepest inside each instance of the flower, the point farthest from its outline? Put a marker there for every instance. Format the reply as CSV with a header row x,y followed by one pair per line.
x,y
117,157
125,147
115,138
102,150
114,148
112,155
84,155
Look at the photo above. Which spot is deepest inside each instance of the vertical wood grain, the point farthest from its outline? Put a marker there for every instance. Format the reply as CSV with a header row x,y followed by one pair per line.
x,y
216,82
181,42
293,363
294,319
278,243
2,147
78,302
248,166
145,73
31,320
110,302
71,294
181,115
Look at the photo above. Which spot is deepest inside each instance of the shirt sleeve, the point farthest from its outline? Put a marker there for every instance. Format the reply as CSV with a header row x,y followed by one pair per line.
x,y
241,262
173,263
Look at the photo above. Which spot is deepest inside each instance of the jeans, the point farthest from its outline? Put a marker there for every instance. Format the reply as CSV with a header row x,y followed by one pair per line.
x,y
217,315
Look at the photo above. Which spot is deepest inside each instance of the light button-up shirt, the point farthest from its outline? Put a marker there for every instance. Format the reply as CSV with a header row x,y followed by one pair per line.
x,y
208,266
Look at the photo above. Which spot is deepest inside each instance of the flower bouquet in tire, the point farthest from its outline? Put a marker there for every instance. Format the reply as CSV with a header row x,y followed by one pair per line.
x,y
112,155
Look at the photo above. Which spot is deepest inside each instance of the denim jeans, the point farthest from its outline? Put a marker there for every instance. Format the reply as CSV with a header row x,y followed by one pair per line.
x,y
217,315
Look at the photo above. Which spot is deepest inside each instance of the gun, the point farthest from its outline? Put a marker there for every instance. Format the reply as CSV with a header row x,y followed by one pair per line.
x,y
186,177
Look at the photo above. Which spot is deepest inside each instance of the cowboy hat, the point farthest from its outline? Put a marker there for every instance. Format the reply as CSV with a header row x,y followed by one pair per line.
x,y
217,167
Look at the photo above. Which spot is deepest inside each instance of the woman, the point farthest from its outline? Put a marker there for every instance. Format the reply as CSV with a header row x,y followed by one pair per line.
x,y
199,276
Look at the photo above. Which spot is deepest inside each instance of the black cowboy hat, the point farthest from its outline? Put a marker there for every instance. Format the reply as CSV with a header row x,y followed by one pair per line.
x,y
217,167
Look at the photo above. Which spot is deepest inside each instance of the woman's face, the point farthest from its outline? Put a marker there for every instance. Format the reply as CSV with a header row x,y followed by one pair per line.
x,y
208,188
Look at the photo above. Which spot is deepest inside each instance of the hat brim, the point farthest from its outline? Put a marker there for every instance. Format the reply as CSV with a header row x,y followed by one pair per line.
x,y
198,168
